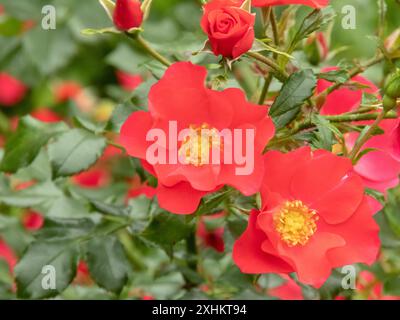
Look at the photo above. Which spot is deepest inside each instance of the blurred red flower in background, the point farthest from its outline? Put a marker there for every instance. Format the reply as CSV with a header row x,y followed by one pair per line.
x,y
68,90
93,178
212,238
314,217
46,115
371,288
7,255
32,220
12,91
128,81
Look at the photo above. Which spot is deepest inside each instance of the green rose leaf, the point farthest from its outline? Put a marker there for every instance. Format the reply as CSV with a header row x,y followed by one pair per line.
x,y
46,269
176,226
75,151
25,144
107,263
38,194
297,89
51,50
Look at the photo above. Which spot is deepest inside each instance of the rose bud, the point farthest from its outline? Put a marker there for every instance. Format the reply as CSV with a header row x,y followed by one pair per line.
x,y
392,88
229,27
392,42
12,91
316,48
389,103
127,14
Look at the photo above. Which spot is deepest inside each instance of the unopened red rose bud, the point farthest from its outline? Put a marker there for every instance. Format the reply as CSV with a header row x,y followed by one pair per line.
x,y
127,14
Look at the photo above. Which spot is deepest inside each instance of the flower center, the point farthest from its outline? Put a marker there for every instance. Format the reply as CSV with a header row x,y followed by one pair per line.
x,y
295,223
196,146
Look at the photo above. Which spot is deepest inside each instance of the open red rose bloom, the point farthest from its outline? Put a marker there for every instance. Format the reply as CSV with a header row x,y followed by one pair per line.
x,y
314,217
379,168
193,107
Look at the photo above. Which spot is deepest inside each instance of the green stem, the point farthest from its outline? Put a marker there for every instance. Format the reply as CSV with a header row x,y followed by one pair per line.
x,y
130,250
111,143
359,117
274,27
280,74
335,119
151,51
191,246
265,89
265,15
359,144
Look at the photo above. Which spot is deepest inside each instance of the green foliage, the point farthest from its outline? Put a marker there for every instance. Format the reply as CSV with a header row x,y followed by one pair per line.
x,y
75,151
49,50
60,254
107,262
298,88
25,144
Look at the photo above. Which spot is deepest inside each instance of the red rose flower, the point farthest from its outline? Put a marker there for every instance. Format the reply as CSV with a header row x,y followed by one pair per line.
x,y
128,81
310,3
290,290
46,115
127,14
137,188
379,169
230,29
180,97
211,238
314,217
12,91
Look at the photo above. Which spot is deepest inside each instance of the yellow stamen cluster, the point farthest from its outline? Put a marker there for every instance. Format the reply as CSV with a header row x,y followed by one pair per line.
x,y
195,149
295,223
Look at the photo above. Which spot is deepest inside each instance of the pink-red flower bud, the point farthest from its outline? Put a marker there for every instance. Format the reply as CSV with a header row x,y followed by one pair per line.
x,y
127,14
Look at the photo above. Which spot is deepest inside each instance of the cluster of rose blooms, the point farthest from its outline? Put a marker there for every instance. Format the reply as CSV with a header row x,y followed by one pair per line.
x,y
315,214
